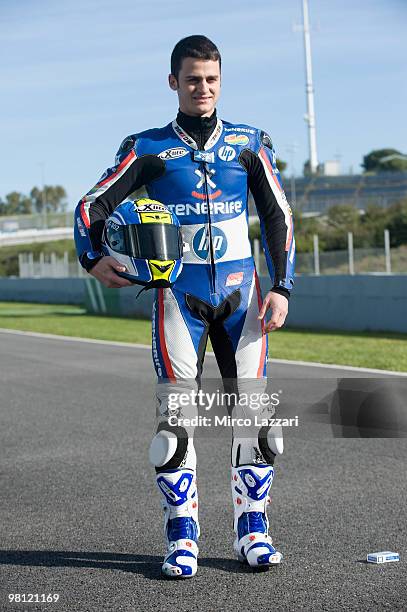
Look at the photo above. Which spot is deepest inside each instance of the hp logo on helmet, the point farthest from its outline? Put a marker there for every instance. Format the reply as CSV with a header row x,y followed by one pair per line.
x,y
201,243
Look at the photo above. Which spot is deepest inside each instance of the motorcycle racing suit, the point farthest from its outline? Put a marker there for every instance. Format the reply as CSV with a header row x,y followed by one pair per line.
x,y
203,170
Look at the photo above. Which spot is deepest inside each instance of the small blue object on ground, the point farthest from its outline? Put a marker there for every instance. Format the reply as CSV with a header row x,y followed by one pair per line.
x,y
383,557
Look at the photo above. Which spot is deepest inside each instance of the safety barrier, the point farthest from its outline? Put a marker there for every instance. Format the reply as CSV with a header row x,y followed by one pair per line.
x,y
357,303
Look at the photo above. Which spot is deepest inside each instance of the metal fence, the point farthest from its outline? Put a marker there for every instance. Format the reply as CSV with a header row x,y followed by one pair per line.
x,y
48,266
14,223
349,261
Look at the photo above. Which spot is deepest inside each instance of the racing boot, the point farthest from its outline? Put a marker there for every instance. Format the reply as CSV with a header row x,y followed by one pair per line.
x,y
250,490
181,527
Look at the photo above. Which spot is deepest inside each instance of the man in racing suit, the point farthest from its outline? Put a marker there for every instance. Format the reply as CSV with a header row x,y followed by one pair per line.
x,y
203,168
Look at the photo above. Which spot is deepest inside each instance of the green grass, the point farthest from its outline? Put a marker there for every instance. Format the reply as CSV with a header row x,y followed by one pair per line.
x,y
387,351
72,321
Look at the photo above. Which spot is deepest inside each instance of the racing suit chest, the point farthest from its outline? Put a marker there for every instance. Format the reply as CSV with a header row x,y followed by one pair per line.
x,y
208,191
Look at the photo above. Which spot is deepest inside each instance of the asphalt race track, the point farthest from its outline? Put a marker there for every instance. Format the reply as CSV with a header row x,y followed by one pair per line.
x,y
80,516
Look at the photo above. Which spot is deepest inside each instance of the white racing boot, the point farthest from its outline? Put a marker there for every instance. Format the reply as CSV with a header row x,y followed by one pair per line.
x,y
250,488
181,527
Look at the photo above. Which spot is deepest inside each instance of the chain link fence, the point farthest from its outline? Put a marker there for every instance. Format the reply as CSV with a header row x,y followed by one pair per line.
x,y
372,260
383,260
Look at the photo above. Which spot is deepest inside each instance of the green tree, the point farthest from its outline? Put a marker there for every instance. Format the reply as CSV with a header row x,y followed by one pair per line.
x,y
307,169
389,160
344,217
340,220
15,203
397,223
373,223
281,165
305,228
53,198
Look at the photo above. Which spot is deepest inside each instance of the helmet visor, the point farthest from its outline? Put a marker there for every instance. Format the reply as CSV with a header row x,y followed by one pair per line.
x,y
159,241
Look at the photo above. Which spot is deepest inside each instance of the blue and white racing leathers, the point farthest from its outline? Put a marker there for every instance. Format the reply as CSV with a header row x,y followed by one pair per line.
x,y
217,292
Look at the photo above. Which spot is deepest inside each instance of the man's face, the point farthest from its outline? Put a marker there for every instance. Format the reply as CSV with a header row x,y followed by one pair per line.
x,y
197,86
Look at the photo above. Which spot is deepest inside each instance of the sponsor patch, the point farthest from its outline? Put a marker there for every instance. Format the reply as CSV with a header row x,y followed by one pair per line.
x,y
155,217
81,228
203,156
146,205
240,129
235,278
226,153
184,136
233,207
156,358
173,153
213,139
236,139
201,243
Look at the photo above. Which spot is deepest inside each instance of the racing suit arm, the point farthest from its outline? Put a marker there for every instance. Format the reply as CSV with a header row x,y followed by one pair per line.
x,y
274,213
118,182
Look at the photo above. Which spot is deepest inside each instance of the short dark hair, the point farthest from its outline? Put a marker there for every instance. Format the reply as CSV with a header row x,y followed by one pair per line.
x,y
197,46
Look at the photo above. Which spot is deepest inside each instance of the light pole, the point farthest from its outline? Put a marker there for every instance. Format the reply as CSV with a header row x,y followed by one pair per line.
x,y
309,89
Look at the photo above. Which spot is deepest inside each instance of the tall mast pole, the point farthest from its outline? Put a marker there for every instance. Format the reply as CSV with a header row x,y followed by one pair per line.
x,y
310,116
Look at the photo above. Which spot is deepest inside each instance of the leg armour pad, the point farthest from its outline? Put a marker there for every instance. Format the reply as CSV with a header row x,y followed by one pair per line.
x,y
163,447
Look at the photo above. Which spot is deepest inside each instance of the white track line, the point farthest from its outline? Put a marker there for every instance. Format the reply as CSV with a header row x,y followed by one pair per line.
x,y
73,338
337,367
309,364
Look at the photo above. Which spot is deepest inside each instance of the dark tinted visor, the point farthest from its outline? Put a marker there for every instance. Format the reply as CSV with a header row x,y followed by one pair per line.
x,y
146,241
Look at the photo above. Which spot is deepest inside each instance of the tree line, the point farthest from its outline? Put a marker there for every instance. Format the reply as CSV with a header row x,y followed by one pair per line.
x,y
52,198
367,227
378,160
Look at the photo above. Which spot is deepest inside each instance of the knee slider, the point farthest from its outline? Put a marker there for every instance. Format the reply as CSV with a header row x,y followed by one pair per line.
x,y
168,447
271,442
275,439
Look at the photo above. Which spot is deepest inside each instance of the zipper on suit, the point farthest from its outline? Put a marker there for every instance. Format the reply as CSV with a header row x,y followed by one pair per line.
x,y
204,167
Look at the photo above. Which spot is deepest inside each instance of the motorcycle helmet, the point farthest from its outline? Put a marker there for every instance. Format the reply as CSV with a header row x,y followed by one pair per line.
x,y
145,236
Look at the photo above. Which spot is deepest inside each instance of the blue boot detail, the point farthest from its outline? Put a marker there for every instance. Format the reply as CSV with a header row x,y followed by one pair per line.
x,y
250,489
181,526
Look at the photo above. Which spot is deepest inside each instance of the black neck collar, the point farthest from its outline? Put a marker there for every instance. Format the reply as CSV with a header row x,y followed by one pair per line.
x,y
199,128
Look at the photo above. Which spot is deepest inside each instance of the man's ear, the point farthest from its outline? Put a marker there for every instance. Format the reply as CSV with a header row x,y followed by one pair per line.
x,y
172,82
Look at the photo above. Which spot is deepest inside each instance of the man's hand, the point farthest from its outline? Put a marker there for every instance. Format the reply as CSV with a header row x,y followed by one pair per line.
x,y
279,309
105,271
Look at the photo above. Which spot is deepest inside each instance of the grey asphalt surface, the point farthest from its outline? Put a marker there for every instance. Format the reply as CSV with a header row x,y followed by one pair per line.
x,y
80,516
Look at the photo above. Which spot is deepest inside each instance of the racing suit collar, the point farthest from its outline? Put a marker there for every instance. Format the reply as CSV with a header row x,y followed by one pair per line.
x,y
198,132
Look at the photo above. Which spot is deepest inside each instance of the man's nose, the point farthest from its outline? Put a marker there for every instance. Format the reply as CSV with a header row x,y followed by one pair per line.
x,y
203,86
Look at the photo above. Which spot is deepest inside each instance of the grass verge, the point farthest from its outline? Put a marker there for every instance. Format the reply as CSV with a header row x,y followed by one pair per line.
x,y
386,351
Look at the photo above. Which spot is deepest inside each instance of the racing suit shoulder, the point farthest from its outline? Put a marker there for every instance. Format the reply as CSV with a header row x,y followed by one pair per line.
x,y
258,158
139,142
257,137
143,143
128,144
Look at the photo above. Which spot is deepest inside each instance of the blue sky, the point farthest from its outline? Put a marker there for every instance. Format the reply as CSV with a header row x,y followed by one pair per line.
x,y
78,76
